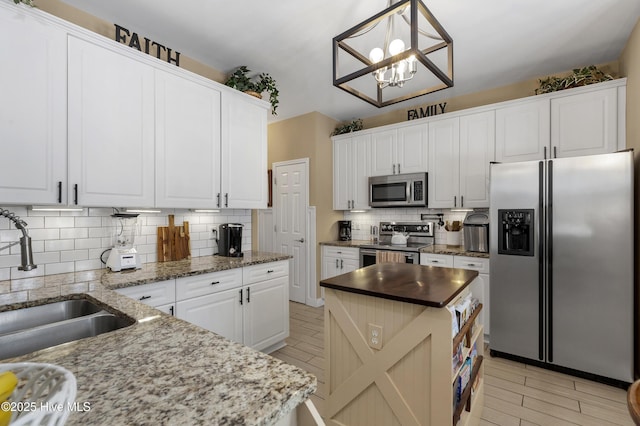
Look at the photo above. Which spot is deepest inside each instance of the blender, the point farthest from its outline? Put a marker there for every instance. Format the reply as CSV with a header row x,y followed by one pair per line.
x,y
123,255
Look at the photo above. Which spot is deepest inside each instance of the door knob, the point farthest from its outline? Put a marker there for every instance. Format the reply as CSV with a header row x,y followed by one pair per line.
x,y
301,240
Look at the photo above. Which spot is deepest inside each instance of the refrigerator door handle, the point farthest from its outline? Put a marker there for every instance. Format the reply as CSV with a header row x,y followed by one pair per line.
x,y
550,265
541,230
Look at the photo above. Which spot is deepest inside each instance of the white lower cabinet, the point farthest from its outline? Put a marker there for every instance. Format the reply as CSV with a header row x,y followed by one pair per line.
x,y
479,287
339,260
248,305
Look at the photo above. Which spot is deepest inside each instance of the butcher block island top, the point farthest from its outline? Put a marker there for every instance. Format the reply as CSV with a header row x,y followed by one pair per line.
x,y
402,347
405,282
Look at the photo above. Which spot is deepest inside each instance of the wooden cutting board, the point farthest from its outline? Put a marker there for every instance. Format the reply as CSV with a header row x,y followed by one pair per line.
x,y
174,241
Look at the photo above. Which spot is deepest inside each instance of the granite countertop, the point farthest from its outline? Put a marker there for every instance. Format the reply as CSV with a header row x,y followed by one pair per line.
x,y
452,250
405,282
163,370
433,249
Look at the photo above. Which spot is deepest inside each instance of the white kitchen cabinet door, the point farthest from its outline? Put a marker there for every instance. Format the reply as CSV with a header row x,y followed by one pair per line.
x,y
33,110
342,170
219,312
339,260
351,165
444,163
440,260
187,143
383,156
266,313
523,131
477,151
330,266
412,149
361,166
244,152
111,128
584,124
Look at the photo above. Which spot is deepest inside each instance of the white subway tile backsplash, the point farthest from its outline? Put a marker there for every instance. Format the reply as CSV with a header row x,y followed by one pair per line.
x,y
71,255
73,242
59,268
58,245
74,233
88,243
88,222
59,222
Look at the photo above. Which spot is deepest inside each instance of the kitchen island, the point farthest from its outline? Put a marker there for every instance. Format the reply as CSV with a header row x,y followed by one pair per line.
x,y
389,346
163,370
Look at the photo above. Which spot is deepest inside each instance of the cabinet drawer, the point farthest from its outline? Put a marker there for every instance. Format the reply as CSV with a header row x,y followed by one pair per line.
x,y
444,260
341,252
474,263
265,271
154,294
200,285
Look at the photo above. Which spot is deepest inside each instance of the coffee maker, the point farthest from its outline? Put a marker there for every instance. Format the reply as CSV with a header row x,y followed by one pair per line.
x,y
344,230
230,240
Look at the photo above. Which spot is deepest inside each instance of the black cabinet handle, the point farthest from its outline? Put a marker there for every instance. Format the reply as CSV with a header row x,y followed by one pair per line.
x,y
269,271
455,200
226,199
59,192
218,196
75,194
462,201
171,310
241,296
145,297
248,294
215,282
341,264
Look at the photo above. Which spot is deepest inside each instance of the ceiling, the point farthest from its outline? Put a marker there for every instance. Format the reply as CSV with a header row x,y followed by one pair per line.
x,y
496,42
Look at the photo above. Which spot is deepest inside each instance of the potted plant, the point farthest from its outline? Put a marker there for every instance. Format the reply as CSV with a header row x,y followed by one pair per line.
x,y
578,77
254,86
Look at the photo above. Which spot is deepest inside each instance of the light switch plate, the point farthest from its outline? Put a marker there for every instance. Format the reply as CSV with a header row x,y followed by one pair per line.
x,y
374,336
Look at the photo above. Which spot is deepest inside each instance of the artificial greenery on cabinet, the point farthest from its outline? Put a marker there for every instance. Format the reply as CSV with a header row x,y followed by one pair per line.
x,y
578,77
255,86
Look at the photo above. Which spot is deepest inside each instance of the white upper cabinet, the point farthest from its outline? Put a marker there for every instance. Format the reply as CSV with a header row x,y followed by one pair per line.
x,y
187,143
351,165
585,123
244,152
111,128
399,151
444,163
33,110
522,131
477,151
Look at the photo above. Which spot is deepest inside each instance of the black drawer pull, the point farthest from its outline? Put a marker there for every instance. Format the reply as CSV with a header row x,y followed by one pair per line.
x,y
240,296
171,310
215,282
145,297
248,294
269,271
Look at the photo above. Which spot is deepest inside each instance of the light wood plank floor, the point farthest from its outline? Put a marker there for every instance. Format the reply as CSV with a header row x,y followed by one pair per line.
x,y
515,394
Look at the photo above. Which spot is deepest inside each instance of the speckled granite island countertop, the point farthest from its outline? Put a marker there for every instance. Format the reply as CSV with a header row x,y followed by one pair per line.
x,y
163,370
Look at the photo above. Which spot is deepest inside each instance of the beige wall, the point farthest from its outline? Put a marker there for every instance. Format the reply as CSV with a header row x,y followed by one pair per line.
x,y
107,29
307,136
630,68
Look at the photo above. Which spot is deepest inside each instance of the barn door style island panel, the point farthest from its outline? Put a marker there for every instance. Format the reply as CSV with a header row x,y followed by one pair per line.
x,y
403,347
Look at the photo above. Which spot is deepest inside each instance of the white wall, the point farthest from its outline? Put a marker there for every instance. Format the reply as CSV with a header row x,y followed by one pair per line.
x,y
73,241
361,222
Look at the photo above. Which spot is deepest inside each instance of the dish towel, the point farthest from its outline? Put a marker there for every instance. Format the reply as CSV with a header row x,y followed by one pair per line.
x,y
390,257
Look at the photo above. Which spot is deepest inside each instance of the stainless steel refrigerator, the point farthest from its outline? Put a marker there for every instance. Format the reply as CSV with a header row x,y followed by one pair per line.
x,y
561,247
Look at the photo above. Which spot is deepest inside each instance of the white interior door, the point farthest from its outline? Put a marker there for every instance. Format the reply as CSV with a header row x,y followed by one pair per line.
x,y
290,216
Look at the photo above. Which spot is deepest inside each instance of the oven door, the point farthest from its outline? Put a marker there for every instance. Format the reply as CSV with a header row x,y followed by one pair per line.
x,y
368,257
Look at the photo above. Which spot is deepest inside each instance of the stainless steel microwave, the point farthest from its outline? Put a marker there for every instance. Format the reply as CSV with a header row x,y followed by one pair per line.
x,y
407,190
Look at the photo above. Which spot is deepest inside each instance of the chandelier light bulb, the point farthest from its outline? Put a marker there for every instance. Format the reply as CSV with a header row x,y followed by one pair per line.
x,y
396,46
376,55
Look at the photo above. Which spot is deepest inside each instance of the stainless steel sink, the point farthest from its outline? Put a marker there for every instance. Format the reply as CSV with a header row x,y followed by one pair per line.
x,y
21,319
56,325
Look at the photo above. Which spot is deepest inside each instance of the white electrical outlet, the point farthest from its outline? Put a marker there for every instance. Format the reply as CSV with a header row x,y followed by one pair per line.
x,y
374,335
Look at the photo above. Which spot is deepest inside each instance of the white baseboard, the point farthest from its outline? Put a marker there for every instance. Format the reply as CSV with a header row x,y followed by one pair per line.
x,y
316,303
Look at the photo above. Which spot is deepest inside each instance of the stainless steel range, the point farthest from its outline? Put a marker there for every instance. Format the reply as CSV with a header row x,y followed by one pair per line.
x,y
405,237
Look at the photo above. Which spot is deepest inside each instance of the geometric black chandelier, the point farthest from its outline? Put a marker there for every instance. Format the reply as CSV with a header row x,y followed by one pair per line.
x,y
398,54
